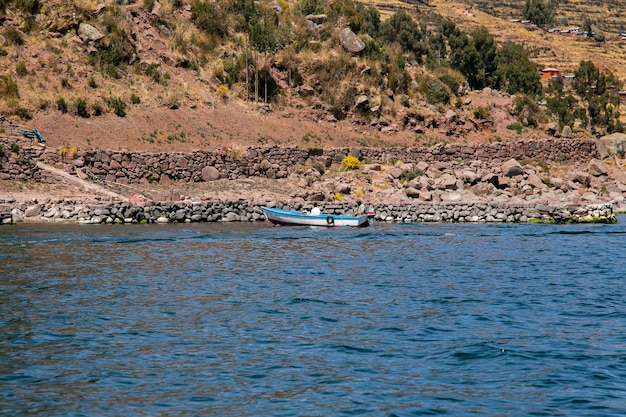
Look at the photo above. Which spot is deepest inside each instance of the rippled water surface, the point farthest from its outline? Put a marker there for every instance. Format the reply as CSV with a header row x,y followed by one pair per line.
x,y
254,320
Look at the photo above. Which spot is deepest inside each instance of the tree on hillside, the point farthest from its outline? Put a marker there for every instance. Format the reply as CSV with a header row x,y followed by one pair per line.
x,y
561,105
516,73
474,56
402,29
371,20
307,7
210,18
266,37
539,12
602,103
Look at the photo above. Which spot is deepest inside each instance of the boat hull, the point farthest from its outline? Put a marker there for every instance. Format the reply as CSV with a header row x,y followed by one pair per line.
x,y
294,218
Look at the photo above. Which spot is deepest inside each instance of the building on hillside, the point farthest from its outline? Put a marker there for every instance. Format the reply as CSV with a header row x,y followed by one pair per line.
x,y
548,73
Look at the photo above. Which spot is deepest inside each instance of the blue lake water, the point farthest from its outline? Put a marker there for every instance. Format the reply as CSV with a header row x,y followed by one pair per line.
x,y
254,320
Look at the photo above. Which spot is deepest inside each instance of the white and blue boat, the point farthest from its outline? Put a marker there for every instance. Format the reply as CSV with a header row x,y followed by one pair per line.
x,y
295,218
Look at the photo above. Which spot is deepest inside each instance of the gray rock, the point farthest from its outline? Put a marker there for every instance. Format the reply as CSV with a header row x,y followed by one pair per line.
x,y
350,41
566,132
361,102
451,116
511,168
89,33
612,145
535,181
412,192
33,211
318,19
596,168
552,128
210,173
448,182
396,172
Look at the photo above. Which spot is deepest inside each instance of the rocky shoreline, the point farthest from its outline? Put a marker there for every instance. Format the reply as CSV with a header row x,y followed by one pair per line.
x,y
553,181
244,211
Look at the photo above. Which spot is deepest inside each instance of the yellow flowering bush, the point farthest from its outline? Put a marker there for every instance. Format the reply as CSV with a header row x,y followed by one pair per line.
x,y
222,90
350,162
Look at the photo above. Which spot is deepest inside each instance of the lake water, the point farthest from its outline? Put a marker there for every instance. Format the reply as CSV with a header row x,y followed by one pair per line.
x,y
254,320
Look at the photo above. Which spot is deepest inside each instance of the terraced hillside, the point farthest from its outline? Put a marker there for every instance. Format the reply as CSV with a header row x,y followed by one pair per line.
x,y
549,50
607,16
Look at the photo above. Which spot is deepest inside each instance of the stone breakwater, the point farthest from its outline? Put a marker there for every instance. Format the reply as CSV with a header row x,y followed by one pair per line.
x,y
244,211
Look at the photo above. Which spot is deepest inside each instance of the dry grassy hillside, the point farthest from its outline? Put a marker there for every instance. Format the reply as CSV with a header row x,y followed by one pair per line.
x,y
172,98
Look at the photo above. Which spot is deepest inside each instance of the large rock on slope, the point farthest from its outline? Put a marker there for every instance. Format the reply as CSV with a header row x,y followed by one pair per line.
x,y
351,42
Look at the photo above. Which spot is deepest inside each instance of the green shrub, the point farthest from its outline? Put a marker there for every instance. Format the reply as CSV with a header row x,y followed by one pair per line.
x,y
158,75
23,113
148,4
134,99
13,36
435,91
350,163
92,82
409,175
481,113
515,126
209,18
8,87
28,6
404,100
97,109
15,148
81,108
65,83
528,111
21,69
1,151
117,50
117,105
62,105
452,78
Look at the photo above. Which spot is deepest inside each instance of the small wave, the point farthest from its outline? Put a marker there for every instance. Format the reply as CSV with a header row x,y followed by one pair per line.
x,y
352,349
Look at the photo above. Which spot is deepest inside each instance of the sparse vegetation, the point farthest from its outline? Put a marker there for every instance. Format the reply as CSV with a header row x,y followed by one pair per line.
x,y
8,87
117,105
62,105
67,152
13,36
81,108
23,113
20,69
245,50
516,127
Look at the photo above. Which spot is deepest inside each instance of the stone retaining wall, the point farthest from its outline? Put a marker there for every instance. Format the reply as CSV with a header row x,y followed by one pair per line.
x,y
275,162
243,211
20,163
